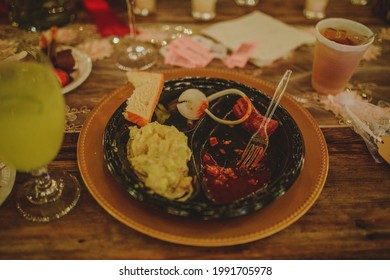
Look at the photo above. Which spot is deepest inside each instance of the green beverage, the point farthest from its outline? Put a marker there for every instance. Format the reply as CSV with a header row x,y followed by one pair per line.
x,y
32,115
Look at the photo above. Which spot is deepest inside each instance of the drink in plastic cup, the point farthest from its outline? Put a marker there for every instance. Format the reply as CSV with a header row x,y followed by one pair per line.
x,y
335,62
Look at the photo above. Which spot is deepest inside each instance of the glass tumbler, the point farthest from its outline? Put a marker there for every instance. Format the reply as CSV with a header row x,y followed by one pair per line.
x,y
249,3
315,9
359,2
203,9
37,15
144,7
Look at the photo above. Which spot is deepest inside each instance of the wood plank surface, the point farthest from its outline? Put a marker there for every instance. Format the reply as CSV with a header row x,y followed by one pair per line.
x,y
350,219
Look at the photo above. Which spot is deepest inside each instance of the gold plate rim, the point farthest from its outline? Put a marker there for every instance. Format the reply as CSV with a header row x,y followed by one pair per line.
x,y
104,188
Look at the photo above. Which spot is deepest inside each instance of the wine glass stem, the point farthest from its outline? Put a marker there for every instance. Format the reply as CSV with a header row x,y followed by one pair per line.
x,y
131,16
45,188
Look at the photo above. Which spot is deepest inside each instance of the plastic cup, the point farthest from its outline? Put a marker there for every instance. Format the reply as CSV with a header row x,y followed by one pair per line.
x,y
334,63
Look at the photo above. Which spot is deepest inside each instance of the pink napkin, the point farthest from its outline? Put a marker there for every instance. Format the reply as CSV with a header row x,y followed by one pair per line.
x,y
241,56
197,51
105,19
186,52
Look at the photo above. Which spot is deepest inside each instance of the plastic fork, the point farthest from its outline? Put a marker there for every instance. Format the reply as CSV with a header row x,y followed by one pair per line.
x,y
258,143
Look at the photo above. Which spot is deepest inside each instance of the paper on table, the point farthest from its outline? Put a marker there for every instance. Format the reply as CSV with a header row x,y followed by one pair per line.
x,y
274,38
188,53
370,121
240,57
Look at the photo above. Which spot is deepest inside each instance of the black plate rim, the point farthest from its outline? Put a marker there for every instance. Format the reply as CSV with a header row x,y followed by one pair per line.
x,y
200,210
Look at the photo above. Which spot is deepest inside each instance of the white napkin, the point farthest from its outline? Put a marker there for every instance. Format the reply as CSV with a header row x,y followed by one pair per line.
x,y
275,38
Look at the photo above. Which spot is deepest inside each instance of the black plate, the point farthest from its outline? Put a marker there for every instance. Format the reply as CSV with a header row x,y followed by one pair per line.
x,y
285,154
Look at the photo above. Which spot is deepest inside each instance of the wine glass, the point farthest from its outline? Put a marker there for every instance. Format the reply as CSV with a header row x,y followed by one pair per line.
x,y
32,122
137,55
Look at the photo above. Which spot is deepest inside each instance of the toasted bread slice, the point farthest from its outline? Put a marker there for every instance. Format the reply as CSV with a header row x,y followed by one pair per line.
x,y
147,90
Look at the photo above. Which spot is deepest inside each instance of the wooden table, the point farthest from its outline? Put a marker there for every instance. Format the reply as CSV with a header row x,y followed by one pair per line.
x,y
350,219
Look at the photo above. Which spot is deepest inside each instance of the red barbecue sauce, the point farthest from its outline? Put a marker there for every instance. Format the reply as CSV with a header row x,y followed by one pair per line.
x,y
228,184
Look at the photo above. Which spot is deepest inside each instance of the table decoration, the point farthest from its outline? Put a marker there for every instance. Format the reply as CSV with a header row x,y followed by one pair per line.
x,y
97,49
370,121
162,35
105,19
64,35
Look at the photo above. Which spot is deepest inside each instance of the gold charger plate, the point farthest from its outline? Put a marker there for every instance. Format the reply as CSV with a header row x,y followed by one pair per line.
x,y
189,231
